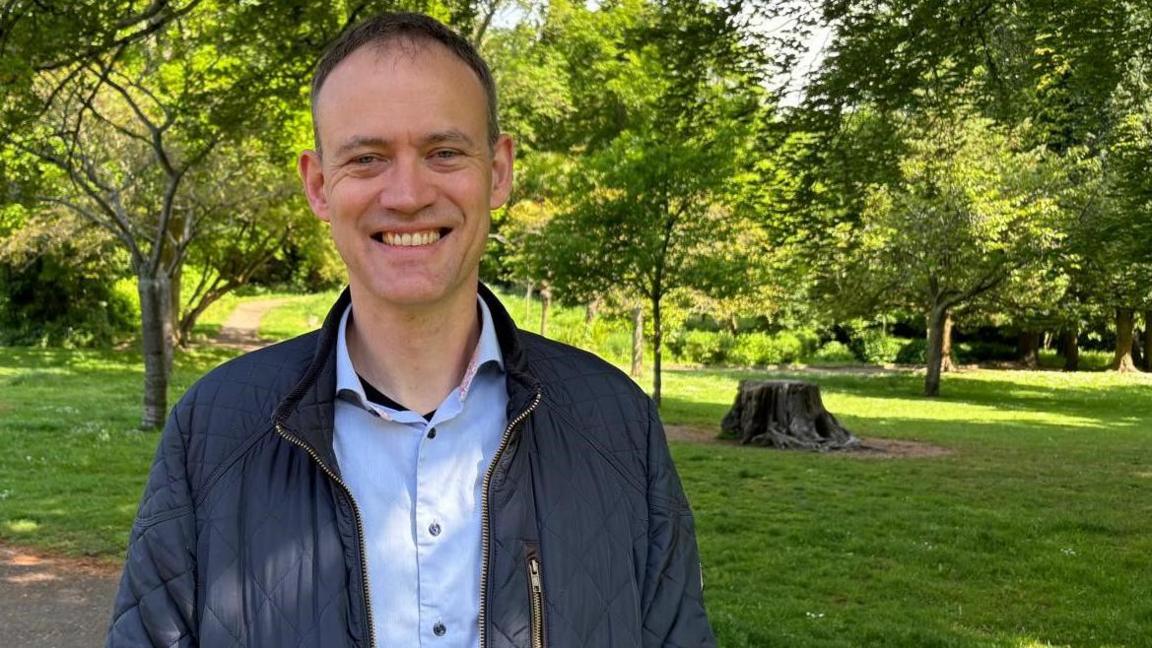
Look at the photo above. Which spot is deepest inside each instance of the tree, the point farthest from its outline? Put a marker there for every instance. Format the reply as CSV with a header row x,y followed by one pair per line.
x,y
669,109
972,210
250,212
652,222
140,112
1128,252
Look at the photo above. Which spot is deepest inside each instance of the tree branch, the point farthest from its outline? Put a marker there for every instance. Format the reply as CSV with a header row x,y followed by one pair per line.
x,y
154,25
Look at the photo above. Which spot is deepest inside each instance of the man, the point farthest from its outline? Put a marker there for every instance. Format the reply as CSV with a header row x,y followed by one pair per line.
x,y
418,472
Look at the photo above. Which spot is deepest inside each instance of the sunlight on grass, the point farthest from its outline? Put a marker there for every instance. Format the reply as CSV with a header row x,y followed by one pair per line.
x,y
1032,643
912,409
300,314
22,526
1036,527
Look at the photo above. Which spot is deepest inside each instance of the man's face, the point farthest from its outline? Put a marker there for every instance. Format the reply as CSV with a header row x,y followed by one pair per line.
x,y
406,177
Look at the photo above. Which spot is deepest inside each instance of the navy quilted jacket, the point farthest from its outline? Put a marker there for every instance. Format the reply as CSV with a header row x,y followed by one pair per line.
x,y
247,537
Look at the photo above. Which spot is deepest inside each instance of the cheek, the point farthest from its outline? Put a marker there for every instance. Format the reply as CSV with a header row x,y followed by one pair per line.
x,y
471,185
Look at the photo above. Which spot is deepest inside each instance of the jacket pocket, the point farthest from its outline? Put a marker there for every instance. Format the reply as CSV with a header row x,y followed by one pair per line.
x,y
535,593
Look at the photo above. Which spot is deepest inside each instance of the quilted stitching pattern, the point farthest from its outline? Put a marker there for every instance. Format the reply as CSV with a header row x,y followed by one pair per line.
x,y
607,510
242,540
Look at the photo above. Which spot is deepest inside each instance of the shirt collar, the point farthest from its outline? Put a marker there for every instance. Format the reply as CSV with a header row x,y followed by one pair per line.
x,y
487,352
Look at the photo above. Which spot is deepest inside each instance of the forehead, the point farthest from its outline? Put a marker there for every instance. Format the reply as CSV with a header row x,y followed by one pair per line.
x,y
404,85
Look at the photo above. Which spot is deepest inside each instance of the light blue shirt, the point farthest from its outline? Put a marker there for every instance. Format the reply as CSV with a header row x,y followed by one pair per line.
x,y
418,486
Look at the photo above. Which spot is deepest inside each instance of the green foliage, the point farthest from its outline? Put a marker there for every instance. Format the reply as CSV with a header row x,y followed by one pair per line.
x,y
702,347
751,349
979,351
913,352
762,349
875,347
669,109
834,352
58,285
52,301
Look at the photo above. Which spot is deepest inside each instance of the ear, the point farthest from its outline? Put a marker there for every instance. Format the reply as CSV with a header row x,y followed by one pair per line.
x,y
503,155
311,170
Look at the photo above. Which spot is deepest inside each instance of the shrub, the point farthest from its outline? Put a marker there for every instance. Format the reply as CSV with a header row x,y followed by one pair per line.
x,y
756,349
913,352
705,347
979,351
54,301
834,352
874,347
746,349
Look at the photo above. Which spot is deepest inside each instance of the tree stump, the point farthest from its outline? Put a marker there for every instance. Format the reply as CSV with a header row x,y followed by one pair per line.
x,y
784,414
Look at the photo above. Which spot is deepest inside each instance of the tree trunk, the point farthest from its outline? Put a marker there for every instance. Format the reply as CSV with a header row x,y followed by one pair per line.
x,y
784,414
527,302
1137,349
175,300
637,342
1148,340
591,310
1125,322
934,353
195,310
1028,349
1070,348
545,304
947,361
156,339
657,343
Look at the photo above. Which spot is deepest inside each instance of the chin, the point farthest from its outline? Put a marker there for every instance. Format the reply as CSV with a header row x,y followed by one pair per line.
x,y
408,294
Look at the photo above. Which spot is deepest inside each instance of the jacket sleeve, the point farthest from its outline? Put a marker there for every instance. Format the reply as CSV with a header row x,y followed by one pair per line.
x,y
673,604
156,602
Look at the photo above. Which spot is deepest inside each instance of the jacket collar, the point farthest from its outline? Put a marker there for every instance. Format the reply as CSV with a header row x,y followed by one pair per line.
x,y
307,411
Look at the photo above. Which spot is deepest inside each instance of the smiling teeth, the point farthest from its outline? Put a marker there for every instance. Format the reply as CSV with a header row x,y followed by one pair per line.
x,y
411,239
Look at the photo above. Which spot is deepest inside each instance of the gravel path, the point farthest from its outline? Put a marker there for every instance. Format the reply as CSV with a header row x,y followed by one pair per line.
x,y
50,602
53,602
241,329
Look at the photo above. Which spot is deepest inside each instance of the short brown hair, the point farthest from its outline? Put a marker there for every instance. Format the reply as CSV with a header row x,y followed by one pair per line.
x,y
384,29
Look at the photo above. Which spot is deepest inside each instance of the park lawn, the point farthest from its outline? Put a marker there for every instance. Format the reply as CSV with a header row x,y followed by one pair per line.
x,y
1036,530
72,459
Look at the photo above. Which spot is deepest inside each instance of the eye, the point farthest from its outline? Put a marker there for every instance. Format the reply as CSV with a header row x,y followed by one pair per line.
x,y
364,159
445,154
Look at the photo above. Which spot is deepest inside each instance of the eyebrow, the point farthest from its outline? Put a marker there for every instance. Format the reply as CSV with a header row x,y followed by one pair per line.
x,y
359,142
449,136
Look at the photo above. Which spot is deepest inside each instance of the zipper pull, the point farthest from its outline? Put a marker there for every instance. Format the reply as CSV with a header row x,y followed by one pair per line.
x,y
534,575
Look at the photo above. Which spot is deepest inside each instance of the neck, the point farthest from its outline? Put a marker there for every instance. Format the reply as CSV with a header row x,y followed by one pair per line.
x,y
414,355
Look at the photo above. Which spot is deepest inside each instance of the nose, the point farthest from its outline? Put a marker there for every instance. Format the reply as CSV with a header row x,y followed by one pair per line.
x,y
407,188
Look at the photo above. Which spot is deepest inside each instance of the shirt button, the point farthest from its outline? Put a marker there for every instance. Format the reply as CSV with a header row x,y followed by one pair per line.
x,y
432,433
434,529
439,629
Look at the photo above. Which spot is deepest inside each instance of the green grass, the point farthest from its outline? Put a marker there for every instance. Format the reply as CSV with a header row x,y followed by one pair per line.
x,y
301,314
1036,530
72,459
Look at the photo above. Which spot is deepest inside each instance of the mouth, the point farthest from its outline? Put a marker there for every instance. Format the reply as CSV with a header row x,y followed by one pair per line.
x,y
410,239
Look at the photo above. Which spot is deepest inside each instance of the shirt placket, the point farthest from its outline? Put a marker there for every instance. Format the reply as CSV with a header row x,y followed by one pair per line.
x,y
431,520
427,531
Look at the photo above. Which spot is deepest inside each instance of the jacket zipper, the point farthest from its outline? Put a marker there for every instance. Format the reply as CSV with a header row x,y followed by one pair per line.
x,y
537,594
359,526
485,523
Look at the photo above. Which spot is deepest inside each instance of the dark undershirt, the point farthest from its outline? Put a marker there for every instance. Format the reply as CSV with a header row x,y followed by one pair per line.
x,y
378,397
